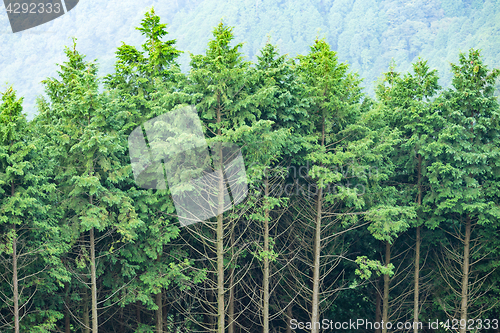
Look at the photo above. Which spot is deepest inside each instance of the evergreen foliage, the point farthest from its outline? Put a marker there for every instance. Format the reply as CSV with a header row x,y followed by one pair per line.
x,y
355,204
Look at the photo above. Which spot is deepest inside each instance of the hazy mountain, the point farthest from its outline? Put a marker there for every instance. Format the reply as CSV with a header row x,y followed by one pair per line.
x,y
366,33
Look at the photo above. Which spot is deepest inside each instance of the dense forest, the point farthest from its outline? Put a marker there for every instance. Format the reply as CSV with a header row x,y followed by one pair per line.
x,y
365,33
377,210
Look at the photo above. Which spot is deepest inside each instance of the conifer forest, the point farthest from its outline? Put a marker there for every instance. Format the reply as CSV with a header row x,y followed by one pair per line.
x,y
334,209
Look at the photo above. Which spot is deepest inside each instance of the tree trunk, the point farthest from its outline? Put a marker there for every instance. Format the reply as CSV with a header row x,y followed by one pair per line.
x,y
465,276
138,313
416,282
317,250
15,282
159,314
385,308
230,315
417,254
265,310
378,308
67,321
121,325
159,303
86,318
220,236
316,272
93,280
220,270
67,317
289,315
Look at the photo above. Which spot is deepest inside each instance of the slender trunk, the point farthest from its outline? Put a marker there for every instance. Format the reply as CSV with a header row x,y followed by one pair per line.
x,y
378,308
289,314
15,282
121,326
220,235
385,308
159,315
138,313
230,315
465,276
67,322
86,318
465,266
265,310
417,254
220,268
159,304
416,282
67,317
93,280
317,252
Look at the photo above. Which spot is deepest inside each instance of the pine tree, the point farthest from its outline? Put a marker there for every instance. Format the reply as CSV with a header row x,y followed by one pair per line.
x,y
89,169
224,91
29,247
408,106
267,152
138,73
216,81
464,177
333,99
141,83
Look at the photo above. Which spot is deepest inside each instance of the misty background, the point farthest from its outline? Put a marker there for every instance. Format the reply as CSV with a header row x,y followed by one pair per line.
x,y
365,33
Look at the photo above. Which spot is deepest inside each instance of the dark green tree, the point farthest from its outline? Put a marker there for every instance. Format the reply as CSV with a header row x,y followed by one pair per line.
x,y
139,87
97,213
465,176
29,243
408,106
138,73
324,208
